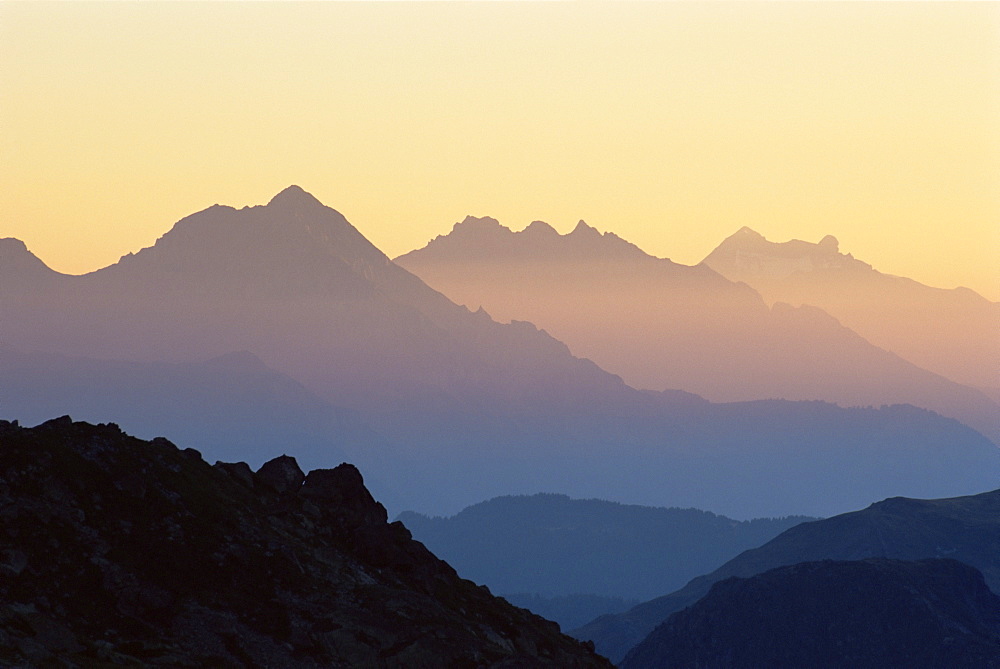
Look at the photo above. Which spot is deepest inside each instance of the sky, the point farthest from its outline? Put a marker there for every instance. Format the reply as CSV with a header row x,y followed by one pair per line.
x,y
671,124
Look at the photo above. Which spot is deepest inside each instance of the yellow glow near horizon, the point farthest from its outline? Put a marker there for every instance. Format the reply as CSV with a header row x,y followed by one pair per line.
x,y
670,124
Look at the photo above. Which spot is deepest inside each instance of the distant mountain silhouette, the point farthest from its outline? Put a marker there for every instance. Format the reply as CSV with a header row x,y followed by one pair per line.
x,y
869,614
22,271
955,333
661,325
964,528
465,408
231,407
299,286
553,545
118,551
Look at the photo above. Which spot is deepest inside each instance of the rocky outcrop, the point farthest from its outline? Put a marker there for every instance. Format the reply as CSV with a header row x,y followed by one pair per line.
x,y
114,550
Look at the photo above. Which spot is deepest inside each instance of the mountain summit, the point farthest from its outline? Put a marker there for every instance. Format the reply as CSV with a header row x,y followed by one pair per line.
x,y
20,269
955,333
294,196
747,251
293,246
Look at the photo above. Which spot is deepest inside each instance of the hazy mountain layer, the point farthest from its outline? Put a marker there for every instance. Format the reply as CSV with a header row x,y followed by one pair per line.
x,y
955,333
296,284
661,325
963,528
465,408
527,544
870,614
119,551
570,611
231,407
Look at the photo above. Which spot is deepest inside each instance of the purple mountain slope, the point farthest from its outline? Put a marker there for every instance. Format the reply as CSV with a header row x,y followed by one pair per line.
x,y
229,406
465,408
660,324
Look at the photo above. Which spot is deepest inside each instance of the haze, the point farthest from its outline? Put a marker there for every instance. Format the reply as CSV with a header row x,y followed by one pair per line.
x,y
671,124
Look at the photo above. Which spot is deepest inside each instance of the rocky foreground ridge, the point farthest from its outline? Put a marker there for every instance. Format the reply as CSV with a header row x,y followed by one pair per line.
x,y
115,550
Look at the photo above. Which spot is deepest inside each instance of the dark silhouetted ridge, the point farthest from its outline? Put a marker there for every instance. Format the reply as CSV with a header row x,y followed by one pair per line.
x,y
120,551
870,614
964,528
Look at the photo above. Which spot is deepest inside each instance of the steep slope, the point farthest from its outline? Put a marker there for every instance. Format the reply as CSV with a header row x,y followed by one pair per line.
x,y
955,333
466,408
874,613
661,325
22,271
119,551
963,528
527,544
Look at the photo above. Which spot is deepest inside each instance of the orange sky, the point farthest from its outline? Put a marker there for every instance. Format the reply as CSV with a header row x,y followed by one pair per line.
x,y
671,124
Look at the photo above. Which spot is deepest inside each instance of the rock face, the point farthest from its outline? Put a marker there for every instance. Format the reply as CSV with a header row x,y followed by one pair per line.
x,y
116,551
871,613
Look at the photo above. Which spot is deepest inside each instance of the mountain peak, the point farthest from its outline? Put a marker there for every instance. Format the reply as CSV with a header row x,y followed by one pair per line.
x,y
17,262
294,196
541,228
830,243
10,246
748,234
479,222
583,229
479,227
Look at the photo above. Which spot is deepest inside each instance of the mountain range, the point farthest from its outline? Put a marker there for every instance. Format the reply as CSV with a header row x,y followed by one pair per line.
x,y
660,324
442,405
961,528
521,544
955,333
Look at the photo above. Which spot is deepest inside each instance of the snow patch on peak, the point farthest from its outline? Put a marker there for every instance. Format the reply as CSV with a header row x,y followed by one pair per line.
x,y
748,232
